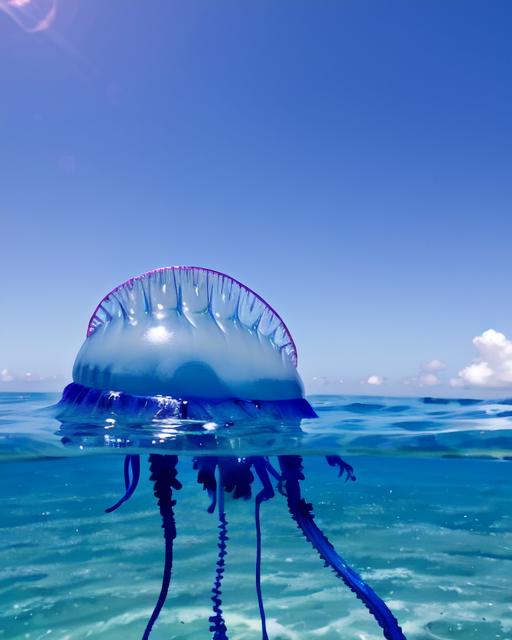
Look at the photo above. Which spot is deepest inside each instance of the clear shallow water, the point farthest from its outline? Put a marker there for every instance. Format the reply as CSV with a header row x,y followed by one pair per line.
x,y
430,529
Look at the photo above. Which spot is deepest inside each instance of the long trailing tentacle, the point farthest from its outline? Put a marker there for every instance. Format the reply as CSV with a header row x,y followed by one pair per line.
x,y
266,493
163,474
131,462
218,626
301,511
126,471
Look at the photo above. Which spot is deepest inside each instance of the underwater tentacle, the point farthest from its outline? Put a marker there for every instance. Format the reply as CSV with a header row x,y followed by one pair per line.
x,y
218,627
273,471
237,476
130,462
343,467
126,471
206,476
266,493
301,511
163,474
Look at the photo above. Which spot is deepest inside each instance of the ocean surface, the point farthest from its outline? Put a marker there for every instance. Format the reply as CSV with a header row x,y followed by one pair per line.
x,y
428,524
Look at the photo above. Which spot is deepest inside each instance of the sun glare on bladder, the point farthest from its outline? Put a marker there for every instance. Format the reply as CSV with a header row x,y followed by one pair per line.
x,y
31,15
158,335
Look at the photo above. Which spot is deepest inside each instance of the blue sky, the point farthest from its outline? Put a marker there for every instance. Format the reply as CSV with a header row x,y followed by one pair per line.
x,y
350,161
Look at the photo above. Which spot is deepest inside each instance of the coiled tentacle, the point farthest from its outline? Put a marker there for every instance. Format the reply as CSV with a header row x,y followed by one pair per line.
x,y
163,474
218,626
266,493
301,511
131,462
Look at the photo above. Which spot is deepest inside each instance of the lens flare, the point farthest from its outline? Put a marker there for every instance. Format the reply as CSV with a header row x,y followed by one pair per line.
x,y
32,16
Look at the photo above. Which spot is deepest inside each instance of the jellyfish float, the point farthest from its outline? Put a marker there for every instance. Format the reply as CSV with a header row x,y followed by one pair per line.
x,y
193,344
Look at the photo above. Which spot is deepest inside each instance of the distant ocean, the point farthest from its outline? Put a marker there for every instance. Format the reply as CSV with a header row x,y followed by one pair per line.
x,y
428,524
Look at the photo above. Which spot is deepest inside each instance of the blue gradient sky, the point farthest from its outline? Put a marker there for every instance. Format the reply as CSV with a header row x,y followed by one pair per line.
x,y
350,161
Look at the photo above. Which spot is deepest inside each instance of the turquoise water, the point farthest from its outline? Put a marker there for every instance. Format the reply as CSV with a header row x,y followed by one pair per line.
x,y
427,523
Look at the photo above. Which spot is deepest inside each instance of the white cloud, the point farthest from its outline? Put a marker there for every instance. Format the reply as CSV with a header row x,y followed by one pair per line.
x,y
5,376
428,379
427,375
493,367
376,380
320,381
434,365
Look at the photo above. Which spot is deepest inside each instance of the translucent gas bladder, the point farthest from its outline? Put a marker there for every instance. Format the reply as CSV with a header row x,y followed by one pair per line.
x,y
192,333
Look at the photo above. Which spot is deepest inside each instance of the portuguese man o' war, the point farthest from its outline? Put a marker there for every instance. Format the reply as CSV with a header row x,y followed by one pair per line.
x,y
194,344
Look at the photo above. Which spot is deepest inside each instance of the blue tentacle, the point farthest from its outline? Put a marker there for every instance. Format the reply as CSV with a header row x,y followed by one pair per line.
x,y
266,493
218,626
237,476
163,474
206,476
273,471
131,462
301,511
126,471
343,467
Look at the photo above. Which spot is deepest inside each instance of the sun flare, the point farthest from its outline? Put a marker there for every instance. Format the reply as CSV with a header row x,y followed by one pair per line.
x,y
32,16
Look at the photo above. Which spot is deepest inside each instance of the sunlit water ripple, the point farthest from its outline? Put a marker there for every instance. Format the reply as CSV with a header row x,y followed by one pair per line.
x,y
352,425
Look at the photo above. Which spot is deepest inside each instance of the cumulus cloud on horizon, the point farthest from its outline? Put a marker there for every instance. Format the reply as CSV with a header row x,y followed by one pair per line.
x,y
428,374
434,365
426,379
375,380
5,376
28,379
492,367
